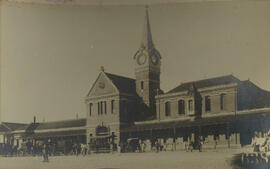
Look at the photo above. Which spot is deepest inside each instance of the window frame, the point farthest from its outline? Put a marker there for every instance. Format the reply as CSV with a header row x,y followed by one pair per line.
x,y
190,105
105,107
112,106
222,97
167,108
90,109
207,103
181,107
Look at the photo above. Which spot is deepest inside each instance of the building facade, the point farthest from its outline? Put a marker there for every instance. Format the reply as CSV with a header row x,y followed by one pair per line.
x,y
220,112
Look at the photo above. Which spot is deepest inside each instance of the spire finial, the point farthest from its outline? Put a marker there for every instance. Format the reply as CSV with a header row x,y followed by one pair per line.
x,y
102,69
147,41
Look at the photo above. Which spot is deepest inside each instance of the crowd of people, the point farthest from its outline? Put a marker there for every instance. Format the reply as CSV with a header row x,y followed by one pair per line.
x,y
30,149
8,150
49,148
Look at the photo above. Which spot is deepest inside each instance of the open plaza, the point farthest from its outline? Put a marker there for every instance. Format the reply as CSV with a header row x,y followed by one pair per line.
x,y
151,160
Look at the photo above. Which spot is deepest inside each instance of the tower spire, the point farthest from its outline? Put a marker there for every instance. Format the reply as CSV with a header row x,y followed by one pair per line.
x,y
147,42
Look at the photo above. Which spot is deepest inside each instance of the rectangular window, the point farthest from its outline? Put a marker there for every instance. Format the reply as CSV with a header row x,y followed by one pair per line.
x,y
167,108
98,108
112,106
190,105
101,107
105,107
90,109
181,107
222,101
207,104
141,85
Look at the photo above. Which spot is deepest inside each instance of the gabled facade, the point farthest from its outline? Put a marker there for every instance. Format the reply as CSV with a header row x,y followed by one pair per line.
x,y
111,105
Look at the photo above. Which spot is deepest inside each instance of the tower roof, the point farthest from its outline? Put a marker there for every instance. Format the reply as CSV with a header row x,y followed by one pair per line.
x,y
147,46
147,42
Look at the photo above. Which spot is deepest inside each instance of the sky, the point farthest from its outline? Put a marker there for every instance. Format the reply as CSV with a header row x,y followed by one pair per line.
x,y
51,54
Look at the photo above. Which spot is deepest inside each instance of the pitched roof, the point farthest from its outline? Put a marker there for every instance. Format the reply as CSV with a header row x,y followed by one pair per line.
x,y
62,124
3,128
261,98
123,84
222,80
14,126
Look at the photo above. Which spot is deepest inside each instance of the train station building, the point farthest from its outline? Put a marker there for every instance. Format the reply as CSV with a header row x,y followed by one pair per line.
x,y
221,111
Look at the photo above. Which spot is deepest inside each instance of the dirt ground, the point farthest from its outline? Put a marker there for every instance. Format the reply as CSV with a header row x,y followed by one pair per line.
x,y
152,160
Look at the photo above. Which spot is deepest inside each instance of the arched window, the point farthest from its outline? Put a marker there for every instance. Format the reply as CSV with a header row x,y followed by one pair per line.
x,y
102,131
222,96
181,107
167,109
90,109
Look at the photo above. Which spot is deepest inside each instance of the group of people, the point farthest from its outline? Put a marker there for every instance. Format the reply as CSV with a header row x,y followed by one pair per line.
x,y
8,150
79,149
158,145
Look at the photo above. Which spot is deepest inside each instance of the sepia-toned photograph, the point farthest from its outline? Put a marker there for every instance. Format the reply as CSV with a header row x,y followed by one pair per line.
x,y
126,84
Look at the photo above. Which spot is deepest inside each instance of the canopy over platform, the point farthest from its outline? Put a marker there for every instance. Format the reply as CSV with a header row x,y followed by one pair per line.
x,y
213,119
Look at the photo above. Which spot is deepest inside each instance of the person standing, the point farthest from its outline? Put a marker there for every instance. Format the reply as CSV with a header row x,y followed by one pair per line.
x,y
157,146
45,153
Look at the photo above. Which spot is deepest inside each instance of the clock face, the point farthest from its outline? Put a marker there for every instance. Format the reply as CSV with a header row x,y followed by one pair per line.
x,y
154,59
101,85
141,59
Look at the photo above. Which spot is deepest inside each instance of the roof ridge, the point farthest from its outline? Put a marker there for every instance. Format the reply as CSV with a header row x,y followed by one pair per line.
x,y
198,83
119,76
13,123
210,78
67,120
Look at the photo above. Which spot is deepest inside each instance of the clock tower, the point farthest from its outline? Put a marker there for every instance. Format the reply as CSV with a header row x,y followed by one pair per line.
x,y
147,70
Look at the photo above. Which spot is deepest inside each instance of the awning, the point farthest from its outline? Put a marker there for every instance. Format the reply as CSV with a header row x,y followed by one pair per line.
x,y
204,121
100,137
58,134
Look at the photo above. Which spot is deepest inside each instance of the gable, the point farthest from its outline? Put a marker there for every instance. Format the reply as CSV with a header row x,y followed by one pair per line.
x,y
102,86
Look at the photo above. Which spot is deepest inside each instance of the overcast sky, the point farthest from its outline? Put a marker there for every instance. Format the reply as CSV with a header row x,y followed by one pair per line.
x,y
51,54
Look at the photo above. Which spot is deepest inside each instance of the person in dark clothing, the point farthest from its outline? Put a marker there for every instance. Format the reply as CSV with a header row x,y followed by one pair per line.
x,y
157,146
45,153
